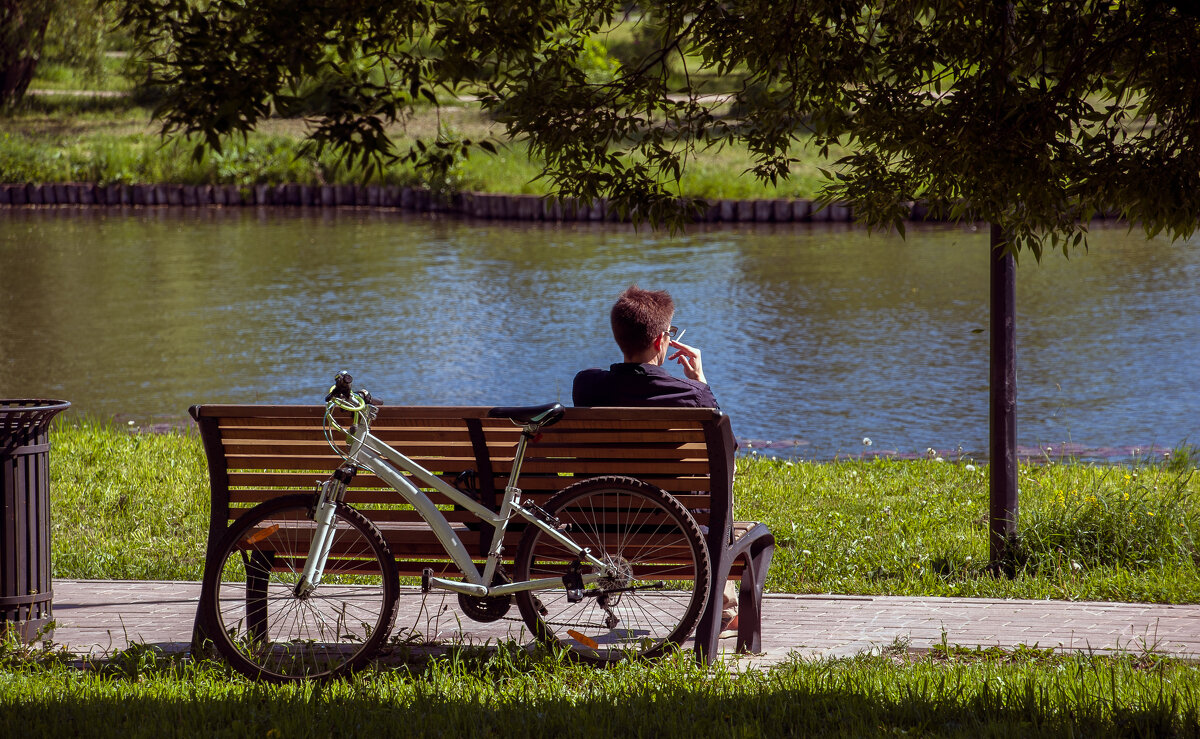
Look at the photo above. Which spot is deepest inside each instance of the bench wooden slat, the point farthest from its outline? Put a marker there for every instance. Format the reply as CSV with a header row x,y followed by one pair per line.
x,y
303,480
249,472
413,568
620,437
309,446
588,467
556,462
330,462
252,410
416,539
443,568
315,432
308,412
672,484
356,497
281,483
498,438
635,450
313,435
430,428
463,448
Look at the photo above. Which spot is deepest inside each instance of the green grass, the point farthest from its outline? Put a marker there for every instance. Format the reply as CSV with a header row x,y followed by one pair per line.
x,y
112,156
122,500
1088,532
127,505
511,692
103,144
112,76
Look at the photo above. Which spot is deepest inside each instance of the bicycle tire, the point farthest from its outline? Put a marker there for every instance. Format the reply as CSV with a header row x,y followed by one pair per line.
x,y
259,625
656,544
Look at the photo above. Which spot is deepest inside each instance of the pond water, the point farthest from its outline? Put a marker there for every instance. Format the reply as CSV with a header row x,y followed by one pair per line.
x,y
814,336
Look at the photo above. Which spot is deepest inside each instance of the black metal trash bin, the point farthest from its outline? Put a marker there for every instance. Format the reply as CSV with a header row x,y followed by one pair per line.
x,y
25,584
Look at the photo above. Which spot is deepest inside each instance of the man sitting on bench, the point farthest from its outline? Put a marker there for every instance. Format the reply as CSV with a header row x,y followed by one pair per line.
x,y
641,325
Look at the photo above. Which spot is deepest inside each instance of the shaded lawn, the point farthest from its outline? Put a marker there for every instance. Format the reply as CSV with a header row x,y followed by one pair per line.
x,y
515,693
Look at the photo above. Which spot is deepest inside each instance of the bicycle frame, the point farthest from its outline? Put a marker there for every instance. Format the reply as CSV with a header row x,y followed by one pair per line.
x,y
372,453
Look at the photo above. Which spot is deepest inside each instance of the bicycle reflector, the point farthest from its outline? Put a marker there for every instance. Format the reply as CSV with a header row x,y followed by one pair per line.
x,y
583,639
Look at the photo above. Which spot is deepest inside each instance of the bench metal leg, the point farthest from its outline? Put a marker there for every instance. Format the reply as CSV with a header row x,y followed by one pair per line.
x,y
257,574
757,553
749,638
708,631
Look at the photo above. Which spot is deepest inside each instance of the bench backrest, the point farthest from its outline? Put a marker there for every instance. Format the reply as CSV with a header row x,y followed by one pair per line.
x,y
257,452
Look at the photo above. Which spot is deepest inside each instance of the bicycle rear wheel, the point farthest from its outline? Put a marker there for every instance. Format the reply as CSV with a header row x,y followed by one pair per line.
x,y
259,624
657,552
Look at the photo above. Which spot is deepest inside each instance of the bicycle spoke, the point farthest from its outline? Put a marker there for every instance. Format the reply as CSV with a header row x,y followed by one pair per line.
x,y
333,628
644,536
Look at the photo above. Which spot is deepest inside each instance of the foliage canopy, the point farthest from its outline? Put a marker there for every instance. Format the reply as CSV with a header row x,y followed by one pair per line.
x,y
1031,115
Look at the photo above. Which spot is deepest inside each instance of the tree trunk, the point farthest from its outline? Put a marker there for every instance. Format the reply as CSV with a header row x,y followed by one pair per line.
x,y
22,31
1002,518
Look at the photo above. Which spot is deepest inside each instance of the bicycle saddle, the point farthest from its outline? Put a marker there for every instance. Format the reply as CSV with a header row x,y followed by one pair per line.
x,y
539,415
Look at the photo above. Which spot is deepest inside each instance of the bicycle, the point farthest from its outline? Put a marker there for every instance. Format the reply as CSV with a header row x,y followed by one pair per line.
x,y
611,568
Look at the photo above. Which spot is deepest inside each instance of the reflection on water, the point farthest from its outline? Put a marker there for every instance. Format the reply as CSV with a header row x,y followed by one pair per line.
x,y
814,336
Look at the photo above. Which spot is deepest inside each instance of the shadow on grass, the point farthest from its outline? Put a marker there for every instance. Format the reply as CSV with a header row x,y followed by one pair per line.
x,y
515,693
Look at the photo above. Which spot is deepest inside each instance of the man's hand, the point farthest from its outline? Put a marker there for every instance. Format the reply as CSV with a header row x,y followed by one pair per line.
x,y
689,358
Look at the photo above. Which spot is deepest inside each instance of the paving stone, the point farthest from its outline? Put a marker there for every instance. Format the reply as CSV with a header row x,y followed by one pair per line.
x,y
100,617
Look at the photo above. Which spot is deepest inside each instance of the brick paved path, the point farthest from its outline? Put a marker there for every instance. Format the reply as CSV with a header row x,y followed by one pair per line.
x,y
103,616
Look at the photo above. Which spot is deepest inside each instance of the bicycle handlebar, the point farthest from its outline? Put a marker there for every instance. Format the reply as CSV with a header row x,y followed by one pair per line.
x,y
343,396
342,386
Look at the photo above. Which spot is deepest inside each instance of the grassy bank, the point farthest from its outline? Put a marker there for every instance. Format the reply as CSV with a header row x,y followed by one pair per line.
x,y
136,506
92,144
512,693
111,140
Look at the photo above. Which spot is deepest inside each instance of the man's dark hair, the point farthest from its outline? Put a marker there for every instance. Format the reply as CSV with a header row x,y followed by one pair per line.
x,y
639,316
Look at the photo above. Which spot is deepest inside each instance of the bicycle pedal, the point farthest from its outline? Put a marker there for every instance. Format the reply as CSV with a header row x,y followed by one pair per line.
x,y
426,574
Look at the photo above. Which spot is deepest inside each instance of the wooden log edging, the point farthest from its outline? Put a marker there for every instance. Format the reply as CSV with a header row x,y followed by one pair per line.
x,y
480,205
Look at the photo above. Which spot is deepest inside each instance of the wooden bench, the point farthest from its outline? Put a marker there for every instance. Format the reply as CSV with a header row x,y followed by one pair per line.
x,y
257,452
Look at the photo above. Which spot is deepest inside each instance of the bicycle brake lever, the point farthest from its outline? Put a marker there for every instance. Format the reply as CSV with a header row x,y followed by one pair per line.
x,y
366,396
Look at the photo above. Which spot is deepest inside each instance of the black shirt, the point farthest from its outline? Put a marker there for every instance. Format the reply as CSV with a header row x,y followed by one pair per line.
x,y
631,384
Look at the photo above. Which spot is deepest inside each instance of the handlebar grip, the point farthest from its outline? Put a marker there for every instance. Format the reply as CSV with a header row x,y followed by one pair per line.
x,y
342,383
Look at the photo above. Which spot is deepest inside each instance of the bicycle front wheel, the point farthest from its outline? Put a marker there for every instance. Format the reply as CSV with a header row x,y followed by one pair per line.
x,y
658,578
264,628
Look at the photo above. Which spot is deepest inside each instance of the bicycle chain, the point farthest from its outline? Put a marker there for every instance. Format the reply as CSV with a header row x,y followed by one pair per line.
x,y
556,623
425,597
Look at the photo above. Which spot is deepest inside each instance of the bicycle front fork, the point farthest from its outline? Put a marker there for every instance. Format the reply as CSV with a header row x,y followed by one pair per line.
x,y
329,494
